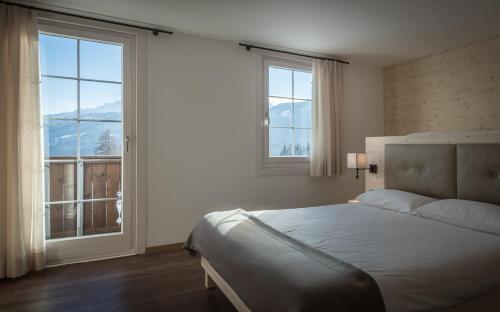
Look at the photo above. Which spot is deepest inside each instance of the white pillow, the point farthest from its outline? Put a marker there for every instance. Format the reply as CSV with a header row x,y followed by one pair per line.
x,y
465,213
394,200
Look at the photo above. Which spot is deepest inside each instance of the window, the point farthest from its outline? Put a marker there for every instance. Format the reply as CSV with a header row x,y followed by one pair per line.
x,y
81,101
289,111
285,128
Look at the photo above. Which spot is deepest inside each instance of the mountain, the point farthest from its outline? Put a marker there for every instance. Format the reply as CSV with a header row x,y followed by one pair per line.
x,y
61,135
282,140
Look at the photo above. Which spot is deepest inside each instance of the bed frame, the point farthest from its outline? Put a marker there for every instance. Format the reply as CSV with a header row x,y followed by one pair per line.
x,y
213,279
376,150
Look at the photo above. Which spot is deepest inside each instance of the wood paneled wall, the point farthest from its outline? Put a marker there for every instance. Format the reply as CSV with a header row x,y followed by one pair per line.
x,y
454,90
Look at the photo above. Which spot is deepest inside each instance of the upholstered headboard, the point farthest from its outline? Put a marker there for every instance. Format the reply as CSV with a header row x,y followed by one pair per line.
x,y
463,171
427,169
478,172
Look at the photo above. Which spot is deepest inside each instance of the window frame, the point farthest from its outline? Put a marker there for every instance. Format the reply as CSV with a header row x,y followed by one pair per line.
x,y
266,165
67,250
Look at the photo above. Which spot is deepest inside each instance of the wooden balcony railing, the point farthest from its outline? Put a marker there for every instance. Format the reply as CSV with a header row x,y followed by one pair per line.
x,y
81,196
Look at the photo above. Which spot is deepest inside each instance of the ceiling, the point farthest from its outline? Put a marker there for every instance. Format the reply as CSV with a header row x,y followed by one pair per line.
x,y
378,32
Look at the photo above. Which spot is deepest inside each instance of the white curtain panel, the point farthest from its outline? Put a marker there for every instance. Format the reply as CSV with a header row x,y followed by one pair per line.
x,y
21,189
326,136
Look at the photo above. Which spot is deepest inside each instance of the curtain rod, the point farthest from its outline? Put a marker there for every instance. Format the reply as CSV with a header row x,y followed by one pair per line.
x,y
155,31
250,46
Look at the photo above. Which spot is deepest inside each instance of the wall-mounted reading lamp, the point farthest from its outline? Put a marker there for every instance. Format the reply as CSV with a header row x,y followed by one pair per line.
x,y
359,161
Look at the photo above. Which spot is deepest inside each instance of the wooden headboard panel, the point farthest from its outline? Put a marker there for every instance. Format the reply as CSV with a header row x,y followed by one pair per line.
x,y
375,148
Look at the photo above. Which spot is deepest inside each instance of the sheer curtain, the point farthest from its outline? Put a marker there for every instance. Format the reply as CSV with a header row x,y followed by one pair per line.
x,y
21,189
326,132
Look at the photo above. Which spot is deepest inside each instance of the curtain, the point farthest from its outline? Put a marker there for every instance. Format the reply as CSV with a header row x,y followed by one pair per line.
x,y
326,132
21,189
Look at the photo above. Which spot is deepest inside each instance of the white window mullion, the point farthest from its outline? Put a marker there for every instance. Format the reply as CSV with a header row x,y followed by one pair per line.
x,y
293,113
80,165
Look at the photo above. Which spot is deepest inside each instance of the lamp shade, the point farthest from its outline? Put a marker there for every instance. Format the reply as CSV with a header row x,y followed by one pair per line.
x,y
357,161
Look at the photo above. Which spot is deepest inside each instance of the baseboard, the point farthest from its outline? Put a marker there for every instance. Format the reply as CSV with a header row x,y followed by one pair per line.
x,y
165,248
56,262
149,250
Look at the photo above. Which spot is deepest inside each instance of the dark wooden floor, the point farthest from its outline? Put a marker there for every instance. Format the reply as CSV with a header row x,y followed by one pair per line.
x,y
157,281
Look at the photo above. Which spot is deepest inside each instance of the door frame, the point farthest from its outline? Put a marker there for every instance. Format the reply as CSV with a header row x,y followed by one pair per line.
x,y
59,251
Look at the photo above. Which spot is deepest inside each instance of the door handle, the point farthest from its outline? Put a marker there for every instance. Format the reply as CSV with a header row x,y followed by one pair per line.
x,y
127,140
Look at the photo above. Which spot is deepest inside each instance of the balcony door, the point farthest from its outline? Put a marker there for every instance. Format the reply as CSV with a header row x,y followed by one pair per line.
x,y
87,108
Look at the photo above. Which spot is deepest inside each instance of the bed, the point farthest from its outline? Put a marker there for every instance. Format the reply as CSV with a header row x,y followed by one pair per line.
x,y
429,242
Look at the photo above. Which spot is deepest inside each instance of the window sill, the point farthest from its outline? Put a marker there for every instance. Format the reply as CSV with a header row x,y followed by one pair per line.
x,y
277,168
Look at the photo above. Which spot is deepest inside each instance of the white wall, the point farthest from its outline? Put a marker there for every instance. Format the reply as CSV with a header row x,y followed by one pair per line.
x,y
200,112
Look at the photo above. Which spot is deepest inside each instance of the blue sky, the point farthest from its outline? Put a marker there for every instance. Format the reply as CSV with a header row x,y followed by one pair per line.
x,y
280,85
98,61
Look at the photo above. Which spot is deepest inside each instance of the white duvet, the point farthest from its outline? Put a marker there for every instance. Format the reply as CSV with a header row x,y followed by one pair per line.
x,y
418,264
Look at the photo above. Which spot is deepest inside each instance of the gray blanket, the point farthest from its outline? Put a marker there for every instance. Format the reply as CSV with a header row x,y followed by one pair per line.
x,y
273,272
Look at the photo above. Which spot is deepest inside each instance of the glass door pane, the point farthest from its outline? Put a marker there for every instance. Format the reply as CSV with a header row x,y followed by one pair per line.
x,y
81,93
